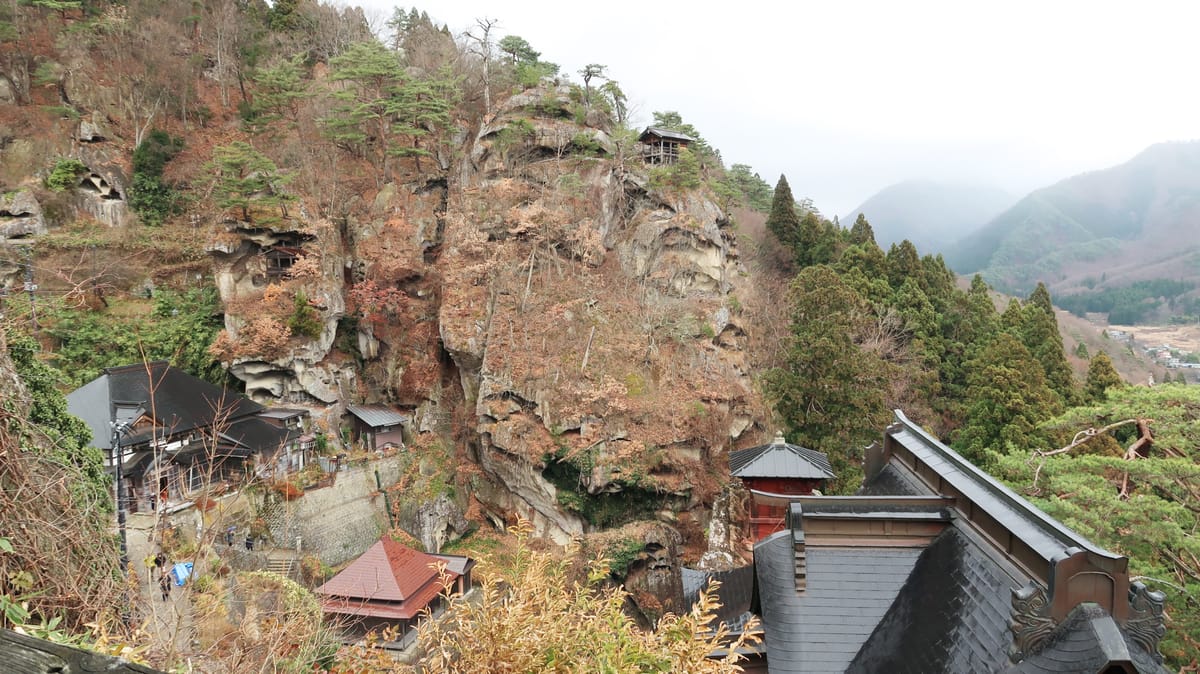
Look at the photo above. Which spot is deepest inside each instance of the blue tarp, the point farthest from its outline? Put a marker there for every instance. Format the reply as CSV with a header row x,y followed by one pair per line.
x,y
181,572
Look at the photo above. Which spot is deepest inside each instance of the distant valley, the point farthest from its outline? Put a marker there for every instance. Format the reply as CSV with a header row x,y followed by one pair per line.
x,y
933,215
1123,239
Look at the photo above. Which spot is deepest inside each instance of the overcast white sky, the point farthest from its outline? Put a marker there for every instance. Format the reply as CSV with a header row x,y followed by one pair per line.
x,y
847,97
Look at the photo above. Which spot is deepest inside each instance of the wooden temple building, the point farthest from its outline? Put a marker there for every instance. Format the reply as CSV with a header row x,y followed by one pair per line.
x,y
779,469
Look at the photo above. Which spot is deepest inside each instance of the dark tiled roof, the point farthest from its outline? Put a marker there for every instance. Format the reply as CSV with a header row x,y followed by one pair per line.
x,y
848,591
666,133
780,459
259,435
735,594
377,416
951,615
1043,534
1088,641
178,402
892,482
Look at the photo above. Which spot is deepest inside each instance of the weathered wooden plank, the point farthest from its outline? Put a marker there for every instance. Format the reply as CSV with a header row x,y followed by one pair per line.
x,y
20,654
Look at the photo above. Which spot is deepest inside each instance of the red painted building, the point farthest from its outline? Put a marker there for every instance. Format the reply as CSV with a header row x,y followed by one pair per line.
x,y
778,468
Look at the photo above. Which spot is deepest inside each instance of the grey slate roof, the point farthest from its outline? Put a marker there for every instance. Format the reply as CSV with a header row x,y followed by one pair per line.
x,y
1044,534
945,607
178,402
780,459
377,416
951,615
849,590
1086,642
666,133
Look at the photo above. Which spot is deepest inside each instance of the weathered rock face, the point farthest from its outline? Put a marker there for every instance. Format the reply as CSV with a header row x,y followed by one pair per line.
x,y
20,216
588,319
433,522
101,192
263,276
653,575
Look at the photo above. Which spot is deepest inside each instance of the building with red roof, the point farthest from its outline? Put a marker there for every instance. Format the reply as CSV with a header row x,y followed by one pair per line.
x,y
391,585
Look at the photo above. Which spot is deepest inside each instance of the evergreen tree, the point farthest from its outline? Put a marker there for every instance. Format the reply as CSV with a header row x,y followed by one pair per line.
x,y
904,263
818,243
152,198
277,94
829,391
361,122
422,109
1101,376
864,268
1008,397
861,232
248,180
518,49
1039,332
783,221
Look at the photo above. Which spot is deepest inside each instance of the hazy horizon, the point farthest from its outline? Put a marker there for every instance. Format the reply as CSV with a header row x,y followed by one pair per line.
x,y
849,98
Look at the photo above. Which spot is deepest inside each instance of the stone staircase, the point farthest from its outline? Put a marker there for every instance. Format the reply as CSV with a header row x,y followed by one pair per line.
x,y
288,567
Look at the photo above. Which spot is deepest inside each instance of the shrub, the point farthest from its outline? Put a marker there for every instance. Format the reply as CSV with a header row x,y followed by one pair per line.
x,y
65,174
149,196
304,319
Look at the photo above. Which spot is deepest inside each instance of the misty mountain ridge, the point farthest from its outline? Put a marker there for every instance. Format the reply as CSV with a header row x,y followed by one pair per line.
x,y
1102,229
931,214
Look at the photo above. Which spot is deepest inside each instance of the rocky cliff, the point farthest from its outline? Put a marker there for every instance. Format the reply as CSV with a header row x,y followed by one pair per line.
x,y
564,325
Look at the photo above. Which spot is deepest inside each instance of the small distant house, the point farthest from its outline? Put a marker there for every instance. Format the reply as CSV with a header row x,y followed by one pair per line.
x,y
661,146
391,585
780,469
377,426
181,433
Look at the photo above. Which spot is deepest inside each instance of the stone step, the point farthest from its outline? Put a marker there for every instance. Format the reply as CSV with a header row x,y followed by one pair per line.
x,y
283,566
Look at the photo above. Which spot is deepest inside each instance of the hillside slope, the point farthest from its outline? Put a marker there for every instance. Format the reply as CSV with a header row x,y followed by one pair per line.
x,y
1106,228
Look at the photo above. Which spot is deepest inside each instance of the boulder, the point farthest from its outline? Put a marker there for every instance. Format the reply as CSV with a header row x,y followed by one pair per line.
x,y
20,215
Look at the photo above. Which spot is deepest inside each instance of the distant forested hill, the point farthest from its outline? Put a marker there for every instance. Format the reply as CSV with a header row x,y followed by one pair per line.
x,y
933,215
1099,231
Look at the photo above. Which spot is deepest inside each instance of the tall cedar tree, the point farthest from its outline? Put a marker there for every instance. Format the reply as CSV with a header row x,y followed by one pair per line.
x,y
829,391
783,221
1039,331
1101,376
1009,398
818,242
861,232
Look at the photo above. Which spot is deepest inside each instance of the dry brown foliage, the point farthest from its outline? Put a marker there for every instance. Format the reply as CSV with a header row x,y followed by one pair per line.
x,y
538,613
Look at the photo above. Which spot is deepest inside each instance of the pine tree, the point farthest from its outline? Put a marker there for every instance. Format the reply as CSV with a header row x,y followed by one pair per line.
x,y
277,94
246,179
362,120
1101,376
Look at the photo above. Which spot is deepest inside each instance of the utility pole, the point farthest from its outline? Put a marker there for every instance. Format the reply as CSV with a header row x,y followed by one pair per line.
x,y
30,286
119,429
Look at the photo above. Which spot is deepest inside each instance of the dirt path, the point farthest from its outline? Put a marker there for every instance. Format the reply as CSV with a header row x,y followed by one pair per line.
x,y
168,623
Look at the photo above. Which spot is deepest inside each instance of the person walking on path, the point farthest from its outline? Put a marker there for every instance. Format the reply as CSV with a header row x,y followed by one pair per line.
x,y
151,562
164,583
